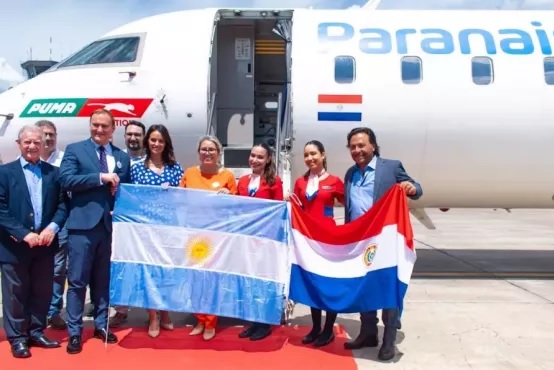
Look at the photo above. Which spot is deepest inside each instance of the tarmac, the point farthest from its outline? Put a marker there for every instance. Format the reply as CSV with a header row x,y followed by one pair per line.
x,y
481,297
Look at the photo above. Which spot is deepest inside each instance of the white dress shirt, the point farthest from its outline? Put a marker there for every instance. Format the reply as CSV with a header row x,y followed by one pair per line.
x,y
55,158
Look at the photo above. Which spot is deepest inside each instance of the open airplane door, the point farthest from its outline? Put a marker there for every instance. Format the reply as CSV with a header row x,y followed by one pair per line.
x,y
249,94
283,28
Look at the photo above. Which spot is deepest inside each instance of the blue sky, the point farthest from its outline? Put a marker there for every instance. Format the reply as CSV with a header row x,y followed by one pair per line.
x,y
73,23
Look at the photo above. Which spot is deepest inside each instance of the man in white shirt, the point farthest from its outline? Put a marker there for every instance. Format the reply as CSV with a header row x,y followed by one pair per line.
x,y
134,141
52,155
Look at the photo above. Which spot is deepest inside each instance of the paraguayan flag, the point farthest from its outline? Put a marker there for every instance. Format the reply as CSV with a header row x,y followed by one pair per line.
x,y
362,266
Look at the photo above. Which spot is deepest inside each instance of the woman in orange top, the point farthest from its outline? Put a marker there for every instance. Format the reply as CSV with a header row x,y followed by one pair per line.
x,y
262,183
209,175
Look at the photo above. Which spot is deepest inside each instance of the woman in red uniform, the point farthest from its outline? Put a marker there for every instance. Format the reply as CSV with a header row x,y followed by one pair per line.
x,y
317,191
262,183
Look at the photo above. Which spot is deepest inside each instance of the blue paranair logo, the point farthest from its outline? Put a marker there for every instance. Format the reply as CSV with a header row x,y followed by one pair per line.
x,y
512,41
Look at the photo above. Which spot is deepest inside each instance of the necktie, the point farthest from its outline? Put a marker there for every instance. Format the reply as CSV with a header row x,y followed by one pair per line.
x,y
103,162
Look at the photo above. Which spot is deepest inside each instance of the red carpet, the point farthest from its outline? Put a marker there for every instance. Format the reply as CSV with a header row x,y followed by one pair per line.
x,y
177,350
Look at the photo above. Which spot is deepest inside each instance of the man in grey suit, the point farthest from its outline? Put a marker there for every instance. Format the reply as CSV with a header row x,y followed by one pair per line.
x,y
364,184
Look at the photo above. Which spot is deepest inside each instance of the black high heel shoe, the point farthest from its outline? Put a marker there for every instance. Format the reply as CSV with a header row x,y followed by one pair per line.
x,y
324,338
262,331
312,336
246,333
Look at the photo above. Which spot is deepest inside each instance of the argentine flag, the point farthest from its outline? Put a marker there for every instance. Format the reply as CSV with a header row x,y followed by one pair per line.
x,y
198,251
361,266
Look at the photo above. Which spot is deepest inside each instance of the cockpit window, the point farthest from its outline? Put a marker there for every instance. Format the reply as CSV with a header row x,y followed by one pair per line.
x,y
118,50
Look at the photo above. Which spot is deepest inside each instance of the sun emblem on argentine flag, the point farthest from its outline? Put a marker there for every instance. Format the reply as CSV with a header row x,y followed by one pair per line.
x,y
198,250
369,254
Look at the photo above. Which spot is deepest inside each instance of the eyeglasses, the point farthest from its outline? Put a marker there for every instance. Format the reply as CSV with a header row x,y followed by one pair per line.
x,y
208,150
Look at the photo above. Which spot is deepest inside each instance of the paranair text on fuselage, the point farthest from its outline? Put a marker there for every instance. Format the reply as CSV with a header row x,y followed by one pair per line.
x,y
514,41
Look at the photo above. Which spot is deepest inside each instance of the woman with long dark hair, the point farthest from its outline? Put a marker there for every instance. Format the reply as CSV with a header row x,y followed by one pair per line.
x,y
317,190
159,168
264,183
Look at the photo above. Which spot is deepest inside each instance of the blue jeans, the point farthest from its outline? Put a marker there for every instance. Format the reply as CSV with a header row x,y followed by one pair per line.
x,y
60,275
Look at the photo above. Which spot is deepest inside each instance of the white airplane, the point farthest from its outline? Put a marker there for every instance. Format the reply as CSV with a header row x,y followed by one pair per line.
x,y
463,98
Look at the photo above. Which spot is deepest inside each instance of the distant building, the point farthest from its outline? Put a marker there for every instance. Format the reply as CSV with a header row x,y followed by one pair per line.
x,y
35,67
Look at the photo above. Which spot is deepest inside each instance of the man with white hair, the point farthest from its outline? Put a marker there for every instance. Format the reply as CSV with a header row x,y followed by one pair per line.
x,y
32,211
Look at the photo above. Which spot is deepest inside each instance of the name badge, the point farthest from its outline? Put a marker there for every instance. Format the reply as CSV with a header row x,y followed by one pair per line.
x,y
327,187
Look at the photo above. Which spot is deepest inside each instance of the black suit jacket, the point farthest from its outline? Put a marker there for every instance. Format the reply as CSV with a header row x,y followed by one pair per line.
x,y
16,211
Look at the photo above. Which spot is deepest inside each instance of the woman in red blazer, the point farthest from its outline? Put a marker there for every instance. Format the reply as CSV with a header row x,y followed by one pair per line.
x,y
262,183
317,192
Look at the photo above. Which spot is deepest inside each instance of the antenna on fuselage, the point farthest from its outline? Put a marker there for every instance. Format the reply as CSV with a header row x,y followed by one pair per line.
x,y
371,4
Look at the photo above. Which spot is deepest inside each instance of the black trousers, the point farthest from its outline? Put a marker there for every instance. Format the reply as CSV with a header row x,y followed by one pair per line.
x,y
369,320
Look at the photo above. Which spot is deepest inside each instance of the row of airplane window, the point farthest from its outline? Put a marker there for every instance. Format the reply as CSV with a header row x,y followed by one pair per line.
x,y
482,70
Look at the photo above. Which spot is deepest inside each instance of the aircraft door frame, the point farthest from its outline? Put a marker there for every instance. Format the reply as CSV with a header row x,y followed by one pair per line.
x,y
211,127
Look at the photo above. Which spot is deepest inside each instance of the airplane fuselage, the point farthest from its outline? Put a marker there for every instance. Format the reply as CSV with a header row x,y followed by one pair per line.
x,y
463,99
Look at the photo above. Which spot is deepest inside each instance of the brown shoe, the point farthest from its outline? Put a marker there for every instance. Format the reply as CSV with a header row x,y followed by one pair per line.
x,y
57,323
117,319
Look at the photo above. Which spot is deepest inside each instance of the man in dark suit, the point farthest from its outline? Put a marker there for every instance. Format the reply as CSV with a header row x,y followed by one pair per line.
x,y
364,184
32,211
91,170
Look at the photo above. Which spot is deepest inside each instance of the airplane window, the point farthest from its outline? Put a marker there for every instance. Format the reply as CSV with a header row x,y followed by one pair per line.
x,y
345,69
118,50
411,70
482,70
549,70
